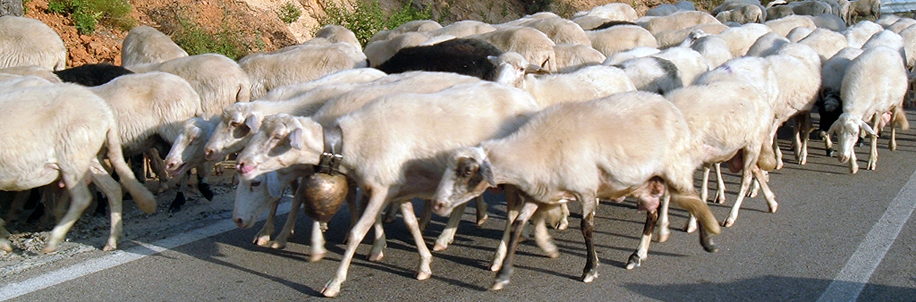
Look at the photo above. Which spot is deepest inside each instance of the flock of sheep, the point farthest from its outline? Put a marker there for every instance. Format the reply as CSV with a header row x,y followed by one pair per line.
x,y
605,105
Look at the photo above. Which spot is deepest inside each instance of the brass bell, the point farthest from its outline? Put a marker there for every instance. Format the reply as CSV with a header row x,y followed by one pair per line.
x,y
322,194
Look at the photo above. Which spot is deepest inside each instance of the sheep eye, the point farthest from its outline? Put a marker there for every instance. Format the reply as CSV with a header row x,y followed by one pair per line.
x,y
256,183
233,124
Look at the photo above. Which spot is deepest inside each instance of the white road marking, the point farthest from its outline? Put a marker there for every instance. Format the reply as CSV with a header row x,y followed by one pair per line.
x,y
852,279
119,257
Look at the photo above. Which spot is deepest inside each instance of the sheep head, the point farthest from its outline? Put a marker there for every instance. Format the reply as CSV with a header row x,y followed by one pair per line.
x,y
284,140
237,125
847,128
188,149
511,69
468,175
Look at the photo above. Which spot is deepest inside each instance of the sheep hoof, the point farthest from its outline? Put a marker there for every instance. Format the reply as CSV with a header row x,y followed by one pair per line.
x,y
330,291
564,223
482,219
774,208
177,203
502,279
204,189
376,257
440,247
634,261
262,240
277,245
421,275
110,247
590,276
49,248
729,222
872,165
663,234
854,169
495,267
720,199
316,257
6,246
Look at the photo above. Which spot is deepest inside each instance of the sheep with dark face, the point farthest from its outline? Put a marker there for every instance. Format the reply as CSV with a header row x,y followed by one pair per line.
x,y
92,74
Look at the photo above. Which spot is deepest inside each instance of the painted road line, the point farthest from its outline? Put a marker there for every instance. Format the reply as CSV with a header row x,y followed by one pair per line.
x,y
852,279
119,257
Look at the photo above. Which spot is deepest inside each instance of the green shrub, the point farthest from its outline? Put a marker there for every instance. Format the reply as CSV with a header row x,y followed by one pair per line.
x,y
196,40
368,18
289,13
87,13
534,6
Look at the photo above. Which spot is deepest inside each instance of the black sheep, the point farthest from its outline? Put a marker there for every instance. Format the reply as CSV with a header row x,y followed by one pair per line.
x,y
462,56
92,74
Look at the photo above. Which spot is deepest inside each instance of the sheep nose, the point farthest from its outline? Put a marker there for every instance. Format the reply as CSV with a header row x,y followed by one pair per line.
x,y
239,222
210,154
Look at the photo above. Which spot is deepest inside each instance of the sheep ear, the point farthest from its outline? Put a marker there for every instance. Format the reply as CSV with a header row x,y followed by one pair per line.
x,y
295,138
487,172
534,69
833,128
493,59
253,122
273,185
866,128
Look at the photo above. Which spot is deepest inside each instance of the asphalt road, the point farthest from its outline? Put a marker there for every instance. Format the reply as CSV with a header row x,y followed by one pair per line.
x,y
836,237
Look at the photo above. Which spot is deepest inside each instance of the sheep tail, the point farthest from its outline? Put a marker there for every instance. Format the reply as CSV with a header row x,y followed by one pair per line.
x,y
698,209
900,119
145,200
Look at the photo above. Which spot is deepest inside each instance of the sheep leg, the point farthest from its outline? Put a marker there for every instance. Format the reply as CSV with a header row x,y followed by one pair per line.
x,y
202,186
564,222
410,219
390,214
542,236
180,199
704,186
802,129
380,244
513,203
768,195
5,244
873,152
426,215
317,250
720,185
589,205
112,190
663,230
481,210
505,271
18,202
371,213
448,234
778,152
263,236
80,198
750,159
642,251
289,226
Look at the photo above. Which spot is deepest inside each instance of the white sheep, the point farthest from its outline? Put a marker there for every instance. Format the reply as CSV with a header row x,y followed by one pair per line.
x,y
829,21
901,24
663,9
463,28
887,20
745,13
531,43
619,38
825,42
798,33
25,41
218,79
784,25
690,63
909,46
581,85
410,26
675,37
741,38
387,143
652,74
338,34
679,20
712,47
559,30
145,44
624,56
889,39
864,8
71,128
859,33
571,57
767,45
610,11
874,85
552,159
298,64
32,70
356,75
151,109
830,107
